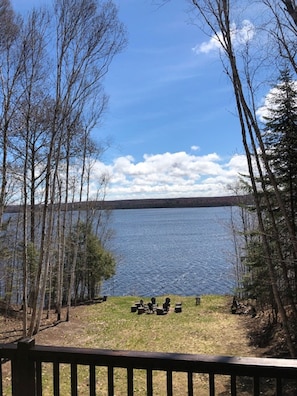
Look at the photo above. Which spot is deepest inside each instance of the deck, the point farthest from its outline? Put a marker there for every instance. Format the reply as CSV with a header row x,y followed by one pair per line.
x,y
27,362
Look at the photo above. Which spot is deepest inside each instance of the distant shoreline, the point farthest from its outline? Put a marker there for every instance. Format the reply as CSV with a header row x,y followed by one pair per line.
x,y
151,203
179,202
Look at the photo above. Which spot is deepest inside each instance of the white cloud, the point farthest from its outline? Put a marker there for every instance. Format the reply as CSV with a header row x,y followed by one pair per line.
x,y
243,35
237,164
239,36
270,102
170,175
213,44
195,148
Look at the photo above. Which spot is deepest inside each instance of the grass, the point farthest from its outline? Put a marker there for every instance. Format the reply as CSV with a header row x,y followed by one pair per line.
x,y
208,328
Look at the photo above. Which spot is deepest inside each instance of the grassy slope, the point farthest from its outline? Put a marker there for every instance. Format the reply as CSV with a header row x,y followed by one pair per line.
x,y
205,329
208,328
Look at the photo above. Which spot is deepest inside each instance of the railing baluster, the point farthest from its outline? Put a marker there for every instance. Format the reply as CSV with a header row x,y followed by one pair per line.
x,y
169,383
74,379
130,381
233,385
256,381
279,387
92,379
110,381
190,384
1,378
149,382
38,367
211,382
56,372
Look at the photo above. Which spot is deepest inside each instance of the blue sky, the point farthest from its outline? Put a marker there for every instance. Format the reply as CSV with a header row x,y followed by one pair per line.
x,y
171,116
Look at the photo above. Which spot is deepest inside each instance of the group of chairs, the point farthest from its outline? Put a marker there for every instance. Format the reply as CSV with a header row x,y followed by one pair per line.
x,y
152,307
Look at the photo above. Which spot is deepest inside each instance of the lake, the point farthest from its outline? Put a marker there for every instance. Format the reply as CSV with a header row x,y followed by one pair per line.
x,y
184,251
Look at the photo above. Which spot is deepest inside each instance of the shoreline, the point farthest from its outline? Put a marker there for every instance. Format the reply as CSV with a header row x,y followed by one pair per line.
x,y
150,203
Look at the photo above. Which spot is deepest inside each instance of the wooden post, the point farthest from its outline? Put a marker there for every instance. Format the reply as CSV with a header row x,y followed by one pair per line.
x,y
23,370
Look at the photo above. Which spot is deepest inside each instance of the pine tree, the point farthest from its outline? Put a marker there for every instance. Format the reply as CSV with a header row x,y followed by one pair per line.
x,y
280,138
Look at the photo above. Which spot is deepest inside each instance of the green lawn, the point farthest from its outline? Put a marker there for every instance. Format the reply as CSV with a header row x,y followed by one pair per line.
x,y
208,328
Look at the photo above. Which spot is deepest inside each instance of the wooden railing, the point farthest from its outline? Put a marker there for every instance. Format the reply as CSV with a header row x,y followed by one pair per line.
x,y
28,360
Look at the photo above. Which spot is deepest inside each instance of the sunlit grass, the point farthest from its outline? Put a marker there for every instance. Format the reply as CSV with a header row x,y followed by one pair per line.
x,y
208,328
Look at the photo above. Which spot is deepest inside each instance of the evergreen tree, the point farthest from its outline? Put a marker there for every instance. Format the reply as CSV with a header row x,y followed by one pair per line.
x,y
94,262
281,139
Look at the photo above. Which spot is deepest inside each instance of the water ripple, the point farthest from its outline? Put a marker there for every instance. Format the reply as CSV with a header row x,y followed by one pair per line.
x,y
171,251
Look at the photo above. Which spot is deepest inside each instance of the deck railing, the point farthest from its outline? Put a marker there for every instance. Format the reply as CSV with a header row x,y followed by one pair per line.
x,y
27,364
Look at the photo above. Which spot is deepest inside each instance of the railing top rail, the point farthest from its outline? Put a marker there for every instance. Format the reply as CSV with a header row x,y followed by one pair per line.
x,y
261,367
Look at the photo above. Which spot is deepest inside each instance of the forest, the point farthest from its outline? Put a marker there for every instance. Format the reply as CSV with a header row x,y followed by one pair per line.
x,y
193,202
52,64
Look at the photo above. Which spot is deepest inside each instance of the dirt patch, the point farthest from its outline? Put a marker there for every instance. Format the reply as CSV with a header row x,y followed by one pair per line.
x,y
267,335
52,332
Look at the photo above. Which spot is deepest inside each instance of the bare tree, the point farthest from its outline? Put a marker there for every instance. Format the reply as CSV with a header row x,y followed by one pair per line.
x,y
10,88
218,17
88,35
51,94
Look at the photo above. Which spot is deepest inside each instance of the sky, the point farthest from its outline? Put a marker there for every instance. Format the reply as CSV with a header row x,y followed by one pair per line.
x,y
171,118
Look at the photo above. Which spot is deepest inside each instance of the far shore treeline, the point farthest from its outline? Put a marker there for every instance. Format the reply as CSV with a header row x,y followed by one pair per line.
x,y
154,203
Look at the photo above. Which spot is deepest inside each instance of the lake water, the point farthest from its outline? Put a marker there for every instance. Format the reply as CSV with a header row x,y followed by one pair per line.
x,y
184,251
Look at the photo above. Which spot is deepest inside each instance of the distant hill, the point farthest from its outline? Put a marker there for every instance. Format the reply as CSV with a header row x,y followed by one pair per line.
x,y
178,202
197,202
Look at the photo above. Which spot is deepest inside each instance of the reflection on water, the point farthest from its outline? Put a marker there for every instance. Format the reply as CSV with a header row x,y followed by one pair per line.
x,y
183,251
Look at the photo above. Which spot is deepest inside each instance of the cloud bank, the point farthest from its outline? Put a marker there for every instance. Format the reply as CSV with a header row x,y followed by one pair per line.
x,y
170,175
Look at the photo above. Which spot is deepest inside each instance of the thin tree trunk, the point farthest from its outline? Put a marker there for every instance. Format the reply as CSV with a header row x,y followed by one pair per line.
x,y
221,13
